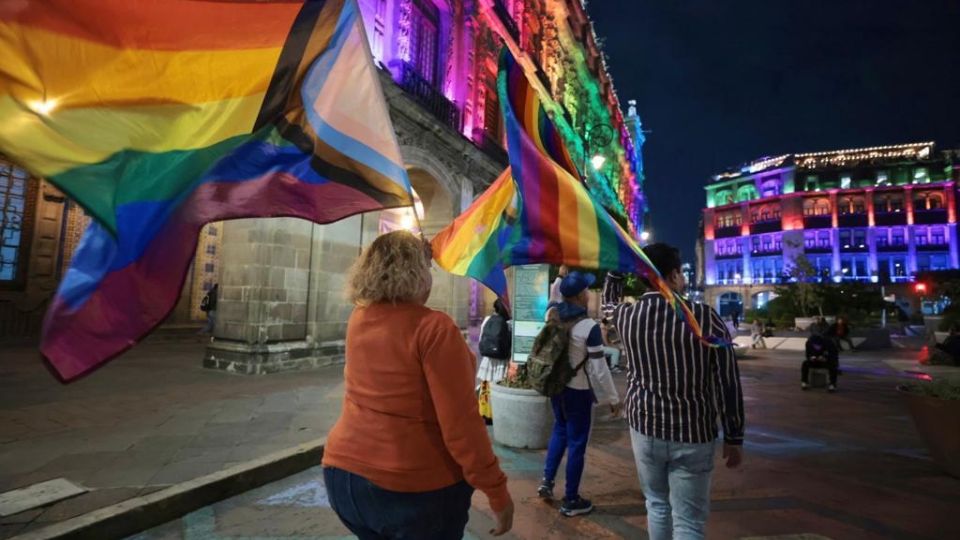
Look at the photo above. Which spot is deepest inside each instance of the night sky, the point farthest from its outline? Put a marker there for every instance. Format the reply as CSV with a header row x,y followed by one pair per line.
x,y
720,83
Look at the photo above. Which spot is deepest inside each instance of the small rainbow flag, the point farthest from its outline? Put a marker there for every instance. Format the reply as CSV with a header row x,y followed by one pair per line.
x,y
545,214
160,116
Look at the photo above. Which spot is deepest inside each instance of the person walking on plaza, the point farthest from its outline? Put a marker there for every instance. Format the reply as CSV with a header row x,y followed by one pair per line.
x,y
735,318
820,352
840,331
555,296
410,447
612,293
756,335
209,306
496,337
573,408
675,386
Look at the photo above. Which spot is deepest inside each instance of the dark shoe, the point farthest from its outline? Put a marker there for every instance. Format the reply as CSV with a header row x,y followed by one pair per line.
x,y
545,491
576,507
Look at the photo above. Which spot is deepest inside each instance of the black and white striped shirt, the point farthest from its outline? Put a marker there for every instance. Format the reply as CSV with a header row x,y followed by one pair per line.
x,y
675,383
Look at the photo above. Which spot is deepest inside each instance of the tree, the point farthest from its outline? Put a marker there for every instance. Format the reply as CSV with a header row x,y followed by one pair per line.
x,y
804,291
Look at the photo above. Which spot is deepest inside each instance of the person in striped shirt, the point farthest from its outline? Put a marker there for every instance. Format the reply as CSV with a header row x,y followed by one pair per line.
x,y
676,388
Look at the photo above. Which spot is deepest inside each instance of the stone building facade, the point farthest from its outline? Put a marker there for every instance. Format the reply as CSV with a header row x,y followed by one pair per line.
x,y
282,281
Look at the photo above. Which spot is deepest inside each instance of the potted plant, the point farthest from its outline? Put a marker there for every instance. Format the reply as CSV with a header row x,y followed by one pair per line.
x,y
935,407
522,418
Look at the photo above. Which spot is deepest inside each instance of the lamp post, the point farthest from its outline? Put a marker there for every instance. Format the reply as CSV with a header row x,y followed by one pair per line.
x,y
595,137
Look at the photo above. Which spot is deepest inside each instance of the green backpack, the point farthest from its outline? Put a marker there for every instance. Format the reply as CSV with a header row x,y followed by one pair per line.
x,y
548,366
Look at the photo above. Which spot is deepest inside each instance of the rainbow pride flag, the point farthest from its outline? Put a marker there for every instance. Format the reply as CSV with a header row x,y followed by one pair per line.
x,y
159,116
547,215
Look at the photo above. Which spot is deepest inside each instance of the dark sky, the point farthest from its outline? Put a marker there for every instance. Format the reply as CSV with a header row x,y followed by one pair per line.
x,y
721,82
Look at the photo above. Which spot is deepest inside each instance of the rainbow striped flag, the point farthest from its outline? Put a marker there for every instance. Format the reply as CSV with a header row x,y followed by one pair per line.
x,y
160,116
545,214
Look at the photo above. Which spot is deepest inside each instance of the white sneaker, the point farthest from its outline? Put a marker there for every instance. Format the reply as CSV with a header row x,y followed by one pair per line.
x,y
804,386
832,388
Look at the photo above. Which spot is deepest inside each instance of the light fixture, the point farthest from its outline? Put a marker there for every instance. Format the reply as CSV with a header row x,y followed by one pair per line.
x,y
645,235
597,161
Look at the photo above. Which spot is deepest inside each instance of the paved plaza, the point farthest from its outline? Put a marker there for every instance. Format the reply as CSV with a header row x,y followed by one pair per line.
x,y
847,465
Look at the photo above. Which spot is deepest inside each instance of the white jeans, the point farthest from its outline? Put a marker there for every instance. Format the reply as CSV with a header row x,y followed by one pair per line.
x,y
675,478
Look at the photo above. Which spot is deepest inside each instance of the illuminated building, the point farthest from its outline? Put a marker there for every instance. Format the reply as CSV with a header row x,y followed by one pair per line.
x,y
873,215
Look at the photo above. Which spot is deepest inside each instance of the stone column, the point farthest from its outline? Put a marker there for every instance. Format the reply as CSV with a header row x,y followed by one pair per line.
x,y
262,310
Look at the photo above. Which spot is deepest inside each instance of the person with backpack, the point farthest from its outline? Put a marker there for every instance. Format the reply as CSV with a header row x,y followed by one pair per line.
x,y
567,364
496,338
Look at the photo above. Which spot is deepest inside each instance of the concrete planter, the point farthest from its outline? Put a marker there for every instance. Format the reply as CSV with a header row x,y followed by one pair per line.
x,y
522,418
938,422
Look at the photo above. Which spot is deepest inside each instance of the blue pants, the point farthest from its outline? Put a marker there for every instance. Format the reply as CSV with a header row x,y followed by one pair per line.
x,y
675,478
572,411
373,513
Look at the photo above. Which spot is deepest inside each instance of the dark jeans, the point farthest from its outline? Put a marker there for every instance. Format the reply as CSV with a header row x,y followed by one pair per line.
x,y
572,411
832,366
373,513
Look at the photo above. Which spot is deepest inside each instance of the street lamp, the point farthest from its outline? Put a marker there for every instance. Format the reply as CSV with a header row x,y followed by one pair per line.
x,y
645,236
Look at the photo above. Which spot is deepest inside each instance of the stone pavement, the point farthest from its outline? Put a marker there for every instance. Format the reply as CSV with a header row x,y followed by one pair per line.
x,y
848,465
147,420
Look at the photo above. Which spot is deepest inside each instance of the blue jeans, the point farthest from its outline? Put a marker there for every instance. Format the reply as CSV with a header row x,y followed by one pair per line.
x,y
373,513
572,411
675,478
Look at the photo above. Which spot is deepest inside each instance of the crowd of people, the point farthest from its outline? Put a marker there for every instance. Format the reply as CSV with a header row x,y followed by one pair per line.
x,y
410,446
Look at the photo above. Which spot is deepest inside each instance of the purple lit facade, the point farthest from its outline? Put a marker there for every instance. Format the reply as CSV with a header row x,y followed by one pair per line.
x,y
873,215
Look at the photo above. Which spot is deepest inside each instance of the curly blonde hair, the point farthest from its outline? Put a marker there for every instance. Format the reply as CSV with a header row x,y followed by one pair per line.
x,y
390,270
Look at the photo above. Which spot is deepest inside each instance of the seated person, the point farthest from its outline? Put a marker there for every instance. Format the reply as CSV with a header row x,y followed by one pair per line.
x,y
951,345
821,353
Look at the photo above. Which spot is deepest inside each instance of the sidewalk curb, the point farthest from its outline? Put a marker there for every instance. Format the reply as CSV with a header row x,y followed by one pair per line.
x,y
141,513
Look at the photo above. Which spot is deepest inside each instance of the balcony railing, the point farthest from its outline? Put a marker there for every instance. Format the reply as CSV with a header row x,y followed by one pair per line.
x,y
735,255
891,248
926,217
490,146
818,249
506,19
854,247
852,220
817,222
933,247
772,225
429,97
727,232
890,218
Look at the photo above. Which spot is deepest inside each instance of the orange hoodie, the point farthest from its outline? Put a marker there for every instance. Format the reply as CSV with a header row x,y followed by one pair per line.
x,y
410,421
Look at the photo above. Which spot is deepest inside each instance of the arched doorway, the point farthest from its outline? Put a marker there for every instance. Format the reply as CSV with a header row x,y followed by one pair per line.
x,y
761,299
730,302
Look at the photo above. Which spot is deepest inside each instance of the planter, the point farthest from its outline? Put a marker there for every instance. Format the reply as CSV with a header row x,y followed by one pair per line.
x,y
522,418
938,422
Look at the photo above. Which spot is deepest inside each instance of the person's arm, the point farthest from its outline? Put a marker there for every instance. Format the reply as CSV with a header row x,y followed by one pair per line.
x,y
448,369
727,379
596,367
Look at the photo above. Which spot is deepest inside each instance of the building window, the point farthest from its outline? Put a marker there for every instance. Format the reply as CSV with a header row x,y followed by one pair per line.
x,y
770,188
13,196
211,249
813,184
424,37
816,207
729,219
897,237
860,238
920,176
756,244
920,236
880,235
823,239
208,268
809,239
845,239
937,236
845,182
212,230
883,179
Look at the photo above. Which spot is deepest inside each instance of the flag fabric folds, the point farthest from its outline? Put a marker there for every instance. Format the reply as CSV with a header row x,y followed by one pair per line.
x,y
548,216
158,117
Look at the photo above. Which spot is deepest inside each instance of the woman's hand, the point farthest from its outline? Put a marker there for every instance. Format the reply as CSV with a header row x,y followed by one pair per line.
x,y
504,520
